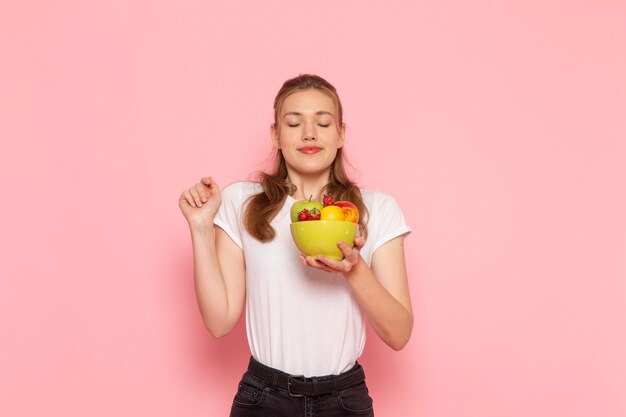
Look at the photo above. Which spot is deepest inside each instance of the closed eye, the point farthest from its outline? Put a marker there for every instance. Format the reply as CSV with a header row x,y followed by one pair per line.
x,y
321,125
293,125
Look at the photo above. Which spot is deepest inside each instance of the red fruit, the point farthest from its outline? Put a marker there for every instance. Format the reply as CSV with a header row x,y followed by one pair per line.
x,y
350,211
303,215
328,200
314,214
306,214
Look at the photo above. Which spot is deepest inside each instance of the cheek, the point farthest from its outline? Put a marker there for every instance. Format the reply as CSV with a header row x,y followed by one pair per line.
x,y
288,137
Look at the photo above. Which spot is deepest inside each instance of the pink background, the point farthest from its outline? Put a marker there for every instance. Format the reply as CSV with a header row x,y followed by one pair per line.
x,y
499,127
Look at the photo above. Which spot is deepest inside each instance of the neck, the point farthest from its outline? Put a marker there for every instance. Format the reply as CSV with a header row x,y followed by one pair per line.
x,y
308,185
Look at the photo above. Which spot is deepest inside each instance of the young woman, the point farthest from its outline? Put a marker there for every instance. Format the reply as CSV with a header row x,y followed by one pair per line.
x,y
304,316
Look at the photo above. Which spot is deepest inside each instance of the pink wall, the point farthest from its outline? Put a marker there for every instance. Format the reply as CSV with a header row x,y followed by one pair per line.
x,y
499,126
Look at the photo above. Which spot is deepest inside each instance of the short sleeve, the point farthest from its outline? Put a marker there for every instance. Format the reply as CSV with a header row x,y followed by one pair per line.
x,y
386,221
229,215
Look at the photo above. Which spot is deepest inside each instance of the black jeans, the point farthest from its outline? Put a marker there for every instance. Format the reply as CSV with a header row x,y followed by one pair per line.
x,y
259,398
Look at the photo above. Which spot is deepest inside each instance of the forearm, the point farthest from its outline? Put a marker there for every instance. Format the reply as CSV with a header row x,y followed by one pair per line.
x,y
391,321
211,292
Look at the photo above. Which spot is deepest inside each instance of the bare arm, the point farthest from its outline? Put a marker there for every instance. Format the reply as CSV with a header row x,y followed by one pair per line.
x,y
219,270
382,291
219,277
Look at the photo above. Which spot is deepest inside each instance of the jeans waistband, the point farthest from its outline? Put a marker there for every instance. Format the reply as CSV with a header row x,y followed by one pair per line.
x,y
299,386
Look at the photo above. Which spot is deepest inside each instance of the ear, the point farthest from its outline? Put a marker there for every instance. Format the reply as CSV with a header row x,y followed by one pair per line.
x,y
342,135
274,136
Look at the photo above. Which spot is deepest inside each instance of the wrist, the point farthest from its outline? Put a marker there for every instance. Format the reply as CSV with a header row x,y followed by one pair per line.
x,y
201,228
357,269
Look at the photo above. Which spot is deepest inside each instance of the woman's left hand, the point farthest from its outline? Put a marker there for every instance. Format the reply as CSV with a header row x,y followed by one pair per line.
x,y
351,258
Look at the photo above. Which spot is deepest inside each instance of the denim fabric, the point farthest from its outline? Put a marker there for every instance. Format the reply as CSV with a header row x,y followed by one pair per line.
x,y
257,398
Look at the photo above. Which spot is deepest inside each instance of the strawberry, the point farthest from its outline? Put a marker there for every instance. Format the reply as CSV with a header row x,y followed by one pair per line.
x,y
314,214
328,200
303,215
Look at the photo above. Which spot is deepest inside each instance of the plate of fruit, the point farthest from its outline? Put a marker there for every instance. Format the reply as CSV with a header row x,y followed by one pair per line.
x,y
317,227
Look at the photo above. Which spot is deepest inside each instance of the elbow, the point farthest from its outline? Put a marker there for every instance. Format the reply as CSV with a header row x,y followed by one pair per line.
x,y
218,331
218,334
398,340
399,344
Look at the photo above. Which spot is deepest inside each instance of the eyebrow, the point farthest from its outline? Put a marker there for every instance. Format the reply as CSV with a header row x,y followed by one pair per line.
x,y
319,113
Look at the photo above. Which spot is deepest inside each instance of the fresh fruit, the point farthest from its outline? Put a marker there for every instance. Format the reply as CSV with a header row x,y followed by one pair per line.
x,y
350,211
306,214
303,215
315,214
320,237
312,207
332,213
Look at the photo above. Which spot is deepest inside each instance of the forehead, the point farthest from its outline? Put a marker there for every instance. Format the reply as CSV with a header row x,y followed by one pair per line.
x,y
308,101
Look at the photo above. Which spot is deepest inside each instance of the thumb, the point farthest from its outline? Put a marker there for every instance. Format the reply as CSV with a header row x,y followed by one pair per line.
x,y
359,242
213,187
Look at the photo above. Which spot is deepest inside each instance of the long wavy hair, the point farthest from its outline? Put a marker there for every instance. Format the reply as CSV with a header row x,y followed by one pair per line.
x,y
263,207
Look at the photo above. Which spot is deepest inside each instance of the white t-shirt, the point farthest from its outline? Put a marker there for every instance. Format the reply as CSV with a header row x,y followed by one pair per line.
x,y
301,320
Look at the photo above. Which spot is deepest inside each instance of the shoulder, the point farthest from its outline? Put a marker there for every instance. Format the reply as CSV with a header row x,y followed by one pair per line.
x,y
382,208
384,219
375,200
240,190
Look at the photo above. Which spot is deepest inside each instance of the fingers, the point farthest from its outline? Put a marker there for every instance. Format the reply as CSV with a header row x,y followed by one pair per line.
x,y
318,264
186,197
195,194
203,192
210,184
332,265
350,259
359,242
349,254
207,188
200,193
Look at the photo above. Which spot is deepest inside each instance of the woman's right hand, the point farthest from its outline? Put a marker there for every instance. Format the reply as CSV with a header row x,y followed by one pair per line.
x,y
200,202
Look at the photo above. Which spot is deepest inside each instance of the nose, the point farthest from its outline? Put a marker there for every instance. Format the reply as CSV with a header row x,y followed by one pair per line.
x,y
309,132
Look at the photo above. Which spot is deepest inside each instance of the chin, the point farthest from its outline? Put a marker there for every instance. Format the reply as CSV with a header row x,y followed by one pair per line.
x,y
315,169
311,168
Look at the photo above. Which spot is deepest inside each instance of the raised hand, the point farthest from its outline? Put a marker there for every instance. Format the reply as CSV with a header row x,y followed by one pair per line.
x,y
200,202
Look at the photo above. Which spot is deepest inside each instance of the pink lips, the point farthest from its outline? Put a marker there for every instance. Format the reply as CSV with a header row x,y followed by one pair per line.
x,y
310,149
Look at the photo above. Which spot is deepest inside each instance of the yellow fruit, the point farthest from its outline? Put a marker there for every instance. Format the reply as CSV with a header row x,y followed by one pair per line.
x,y
332,213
